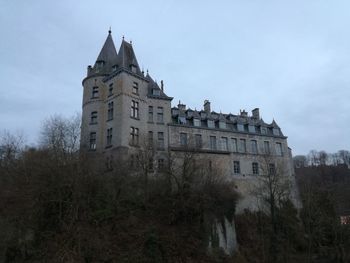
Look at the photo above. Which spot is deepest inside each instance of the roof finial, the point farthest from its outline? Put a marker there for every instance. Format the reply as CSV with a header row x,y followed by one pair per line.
x,y
147,71
130,42
110,30
123,37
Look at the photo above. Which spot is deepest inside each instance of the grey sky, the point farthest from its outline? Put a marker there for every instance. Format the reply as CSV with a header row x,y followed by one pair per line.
x,y
289,58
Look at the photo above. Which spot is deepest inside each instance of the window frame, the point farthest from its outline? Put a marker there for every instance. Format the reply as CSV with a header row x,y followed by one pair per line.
x,y
92,141
236,167
109,137
134,113
110,111
255,168
134,136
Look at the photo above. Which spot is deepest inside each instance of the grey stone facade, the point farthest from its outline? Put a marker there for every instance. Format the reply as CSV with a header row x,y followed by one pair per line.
x,y
124,109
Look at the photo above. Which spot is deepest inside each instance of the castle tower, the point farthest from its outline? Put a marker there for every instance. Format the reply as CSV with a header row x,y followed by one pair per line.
x,y
122,108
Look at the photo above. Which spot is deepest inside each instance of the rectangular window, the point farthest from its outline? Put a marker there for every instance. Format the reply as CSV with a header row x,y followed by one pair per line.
x,y
224,143
266,147
92,140
160,115
134,109
272,169
222,125
211,124
279,151
150,139
110,90
197,122
156,92
150,113
109,136
94,92
242,146
276,131
134,136
213,142
135,88
234,144
161,140
110,111
254,145
255,168
240,127
183,139
181,120
93,119
236,167
251,128
198,139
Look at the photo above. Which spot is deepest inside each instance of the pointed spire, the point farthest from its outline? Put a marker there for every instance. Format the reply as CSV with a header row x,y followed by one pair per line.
x,y
127,58
107,56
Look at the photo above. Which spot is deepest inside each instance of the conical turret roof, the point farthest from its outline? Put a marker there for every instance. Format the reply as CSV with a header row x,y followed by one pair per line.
x,y
107,56
108,51
127,58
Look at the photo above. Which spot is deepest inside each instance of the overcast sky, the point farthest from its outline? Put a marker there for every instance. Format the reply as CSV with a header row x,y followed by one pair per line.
x,y
289,58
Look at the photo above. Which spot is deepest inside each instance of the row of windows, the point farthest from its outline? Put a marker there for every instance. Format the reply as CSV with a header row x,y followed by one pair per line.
x,y
240,146
134,162
95,90
134,112
160,139
160,114
254,168
231,126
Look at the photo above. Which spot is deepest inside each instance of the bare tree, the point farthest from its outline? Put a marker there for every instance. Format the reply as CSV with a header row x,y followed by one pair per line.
x,y
344,156
11,147
323,157
272,191
61,135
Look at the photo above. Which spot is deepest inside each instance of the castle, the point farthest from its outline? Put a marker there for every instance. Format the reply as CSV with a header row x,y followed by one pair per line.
x,y
123,108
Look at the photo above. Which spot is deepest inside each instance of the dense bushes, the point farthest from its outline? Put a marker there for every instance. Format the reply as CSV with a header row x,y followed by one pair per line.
x,y
59,210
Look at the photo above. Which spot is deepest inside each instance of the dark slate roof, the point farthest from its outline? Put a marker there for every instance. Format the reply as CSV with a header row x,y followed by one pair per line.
x,y
108,55
154,85
274,124
127,58
108,51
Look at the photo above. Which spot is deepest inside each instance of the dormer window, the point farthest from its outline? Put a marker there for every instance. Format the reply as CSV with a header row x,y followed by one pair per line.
x,y
196,122
100,64
156,92
211,124
182,120
263,130
222,125
276,131
114,68
240,127
251,128
133,68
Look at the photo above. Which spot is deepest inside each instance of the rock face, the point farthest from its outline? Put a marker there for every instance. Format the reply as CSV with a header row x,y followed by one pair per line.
x,y
223,236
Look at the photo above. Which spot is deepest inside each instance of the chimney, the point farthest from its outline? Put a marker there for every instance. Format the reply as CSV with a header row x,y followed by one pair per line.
x,y
182,107
243,113
162,85
207,106
256,114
